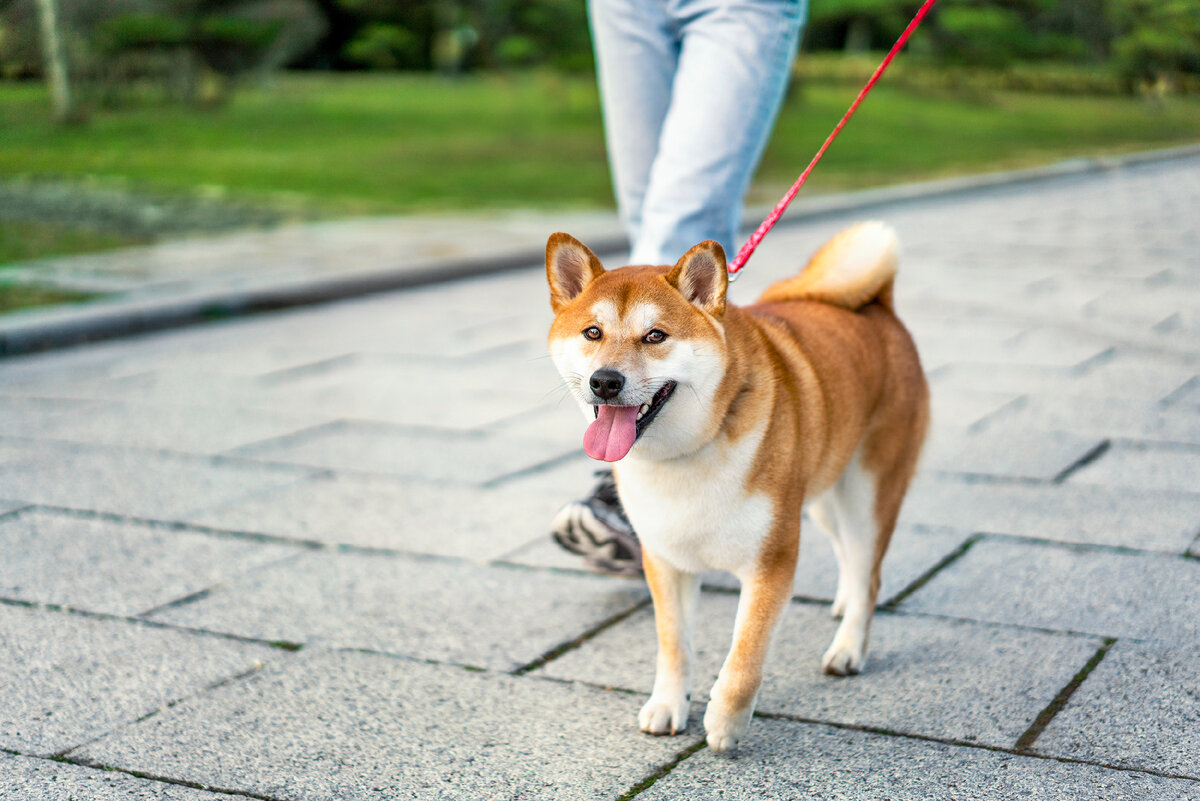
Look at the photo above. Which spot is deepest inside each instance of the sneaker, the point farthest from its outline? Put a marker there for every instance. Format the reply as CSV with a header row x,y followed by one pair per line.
x,y
596,528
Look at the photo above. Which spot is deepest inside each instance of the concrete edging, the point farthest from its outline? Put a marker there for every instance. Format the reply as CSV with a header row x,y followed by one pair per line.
x,y
64,326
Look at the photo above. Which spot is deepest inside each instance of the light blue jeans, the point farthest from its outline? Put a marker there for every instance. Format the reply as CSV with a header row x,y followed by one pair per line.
x,y
690,90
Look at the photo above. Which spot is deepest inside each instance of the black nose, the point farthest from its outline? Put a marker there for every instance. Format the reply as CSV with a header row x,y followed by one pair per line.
x,y
606,383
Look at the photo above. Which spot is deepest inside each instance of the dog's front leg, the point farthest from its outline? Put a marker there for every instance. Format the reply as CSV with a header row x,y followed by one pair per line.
x,y
675,595
764,595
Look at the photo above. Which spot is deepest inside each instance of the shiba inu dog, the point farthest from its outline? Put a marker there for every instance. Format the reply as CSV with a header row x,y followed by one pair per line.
x,y
723,421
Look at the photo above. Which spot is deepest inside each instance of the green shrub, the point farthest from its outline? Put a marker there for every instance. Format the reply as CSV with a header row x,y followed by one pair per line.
x,y
136,31
379,46
517,51
1159,39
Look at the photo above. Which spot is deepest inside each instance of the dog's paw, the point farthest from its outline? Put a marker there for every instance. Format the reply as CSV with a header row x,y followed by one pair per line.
x,y
843,660
663,715
723,728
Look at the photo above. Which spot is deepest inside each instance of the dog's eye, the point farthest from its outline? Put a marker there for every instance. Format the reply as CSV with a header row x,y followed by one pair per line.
x,y
654,337
592,332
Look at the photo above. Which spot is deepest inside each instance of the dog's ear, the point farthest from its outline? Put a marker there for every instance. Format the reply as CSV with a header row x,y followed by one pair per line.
x,y
700,276
570,267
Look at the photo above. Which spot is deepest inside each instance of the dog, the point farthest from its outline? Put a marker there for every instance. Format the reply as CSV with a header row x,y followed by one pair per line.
x,y
722,421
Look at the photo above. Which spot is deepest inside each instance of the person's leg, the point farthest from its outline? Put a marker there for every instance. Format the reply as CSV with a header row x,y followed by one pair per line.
x,y
734,64
636,56
684,135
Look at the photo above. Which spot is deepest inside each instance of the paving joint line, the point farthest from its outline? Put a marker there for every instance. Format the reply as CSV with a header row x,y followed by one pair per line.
x,y
1125,550
1026,741
14,513
571,645
177,525
1098,450
532,470
932,572
154,777
201,594
886,732
239,451
63,754
879,730
75,446
1160,445
306,545
662,771
1175,395
968,477
281,645
148,777
1009,407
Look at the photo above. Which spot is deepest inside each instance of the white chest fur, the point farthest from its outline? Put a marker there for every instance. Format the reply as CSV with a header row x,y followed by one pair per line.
x,y
695,512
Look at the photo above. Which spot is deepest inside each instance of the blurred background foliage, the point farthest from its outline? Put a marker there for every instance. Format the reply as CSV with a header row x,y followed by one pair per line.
x,y
198,50
211,115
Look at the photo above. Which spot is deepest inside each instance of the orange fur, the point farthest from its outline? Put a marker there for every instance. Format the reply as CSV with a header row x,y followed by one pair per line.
x,y
818,393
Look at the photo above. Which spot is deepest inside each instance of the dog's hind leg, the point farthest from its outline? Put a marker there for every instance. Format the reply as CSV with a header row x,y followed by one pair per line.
x,y
823,513
675,595
852,501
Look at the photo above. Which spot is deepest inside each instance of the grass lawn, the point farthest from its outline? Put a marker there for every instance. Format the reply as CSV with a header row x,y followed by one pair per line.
x,y
339,145
352,144
14,297
22,240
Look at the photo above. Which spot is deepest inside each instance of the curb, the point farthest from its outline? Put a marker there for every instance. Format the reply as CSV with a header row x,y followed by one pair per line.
x,y
64,326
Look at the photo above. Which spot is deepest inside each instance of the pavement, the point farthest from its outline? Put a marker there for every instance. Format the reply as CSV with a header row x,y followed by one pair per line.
x,y
304,554
188,280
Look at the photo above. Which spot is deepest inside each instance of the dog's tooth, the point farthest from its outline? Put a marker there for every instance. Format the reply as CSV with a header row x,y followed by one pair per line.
x,y
645,408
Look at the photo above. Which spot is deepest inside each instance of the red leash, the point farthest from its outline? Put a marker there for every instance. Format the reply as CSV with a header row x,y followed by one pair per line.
x,y
743,255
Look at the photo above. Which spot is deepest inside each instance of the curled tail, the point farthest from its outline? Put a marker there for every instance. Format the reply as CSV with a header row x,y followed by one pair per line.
x,y
852,269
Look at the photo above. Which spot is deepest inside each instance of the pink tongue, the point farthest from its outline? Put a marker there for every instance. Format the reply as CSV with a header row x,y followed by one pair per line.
x,y
611,436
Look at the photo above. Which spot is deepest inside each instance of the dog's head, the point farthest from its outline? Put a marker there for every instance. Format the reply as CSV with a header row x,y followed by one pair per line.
x,y
641,348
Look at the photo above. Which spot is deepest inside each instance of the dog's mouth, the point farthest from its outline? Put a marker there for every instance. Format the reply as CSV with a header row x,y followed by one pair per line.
x,y
616,428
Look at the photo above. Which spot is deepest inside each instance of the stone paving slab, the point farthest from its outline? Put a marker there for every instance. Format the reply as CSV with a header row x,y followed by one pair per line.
x,y
424,608
1138,375
912,552
1108,593
389,392
938,678
117,568
373,512
183,428
1017,379
964,408
1145,466
360,726
469,458
1103,417
1139,708
22,417
1130,375
1083,289
68,678
1016,454
1187,396
139,483
28,779
1068,512
10,506
784,761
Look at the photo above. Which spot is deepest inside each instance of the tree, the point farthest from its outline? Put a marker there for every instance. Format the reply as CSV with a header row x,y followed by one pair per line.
x,y
1157,40
55,59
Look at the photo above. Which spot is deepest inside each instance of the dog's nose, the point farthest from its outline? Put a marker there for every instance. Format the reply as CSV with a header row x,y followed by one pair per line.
x,y
606,383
